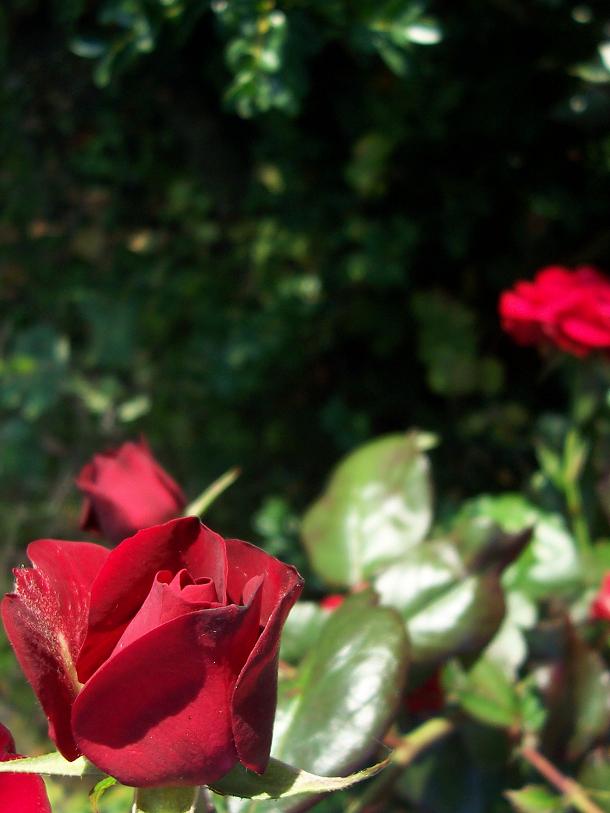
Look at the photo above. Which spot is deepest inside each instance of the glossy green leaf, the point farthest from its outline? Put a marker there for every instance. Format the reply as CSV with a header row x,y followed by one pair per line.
x,y
484,692
550,563
51,765
483,544
446,611
377,505
535,799
281,781
301,630
331,716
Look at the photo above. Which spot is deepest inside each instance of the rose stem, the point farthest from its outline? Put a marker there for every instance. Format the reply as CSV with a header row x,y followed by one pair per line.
x,y
409,748
574,794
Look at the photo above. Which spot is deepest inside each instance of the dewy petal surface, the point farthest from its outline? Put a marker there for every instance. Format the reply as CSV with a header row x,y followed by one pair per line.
x,y
255,695
124,582
158,711
46,621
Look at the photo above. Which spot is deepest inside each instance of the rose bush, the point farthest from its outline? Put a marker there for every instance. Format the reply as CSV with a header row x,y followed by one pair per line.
x,y
156,660
127,490
567,308
20,794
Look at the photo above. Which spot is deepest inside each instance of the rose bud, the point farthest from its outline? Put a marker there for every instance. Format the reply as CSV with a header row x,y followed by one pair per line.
x,y
156,660
600,607
127,490
21,793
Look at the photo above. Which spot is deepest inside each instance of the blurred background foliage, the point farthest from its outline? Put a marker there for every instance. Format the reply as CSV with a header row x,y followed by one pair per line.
x,y
263,232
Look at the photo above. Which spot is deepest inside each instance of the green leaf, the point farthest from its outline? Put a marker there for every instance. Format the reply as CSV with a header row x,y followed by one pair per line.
x,y
201,504
483,544
377,505
165,800
550,563
535,799
281,781
331,716
484,692
447,611
51,765
301,630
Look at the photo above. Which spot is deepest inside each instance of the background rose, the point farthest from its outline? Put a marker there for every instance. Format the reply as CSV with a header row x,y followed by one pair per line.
x,y
570,309
19,793
127,490
175,636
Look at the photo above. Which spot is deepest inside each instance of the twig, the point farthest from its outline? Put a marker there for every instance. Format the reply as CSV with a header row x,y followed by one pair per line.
x,y
573,793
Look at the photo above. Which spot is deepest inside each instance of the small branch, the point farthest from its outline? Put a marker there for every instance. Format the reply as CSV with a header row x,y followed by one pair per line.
x,y
408,749
573,793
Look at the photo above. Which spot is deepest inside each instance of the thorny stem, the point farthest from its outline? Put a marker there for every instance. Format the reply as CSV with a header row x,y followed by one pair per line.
x,y
409,748
573,793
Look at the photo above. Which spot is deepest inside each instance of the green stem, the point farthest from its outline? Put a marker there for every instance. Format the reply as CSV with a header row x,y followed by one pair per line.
x,y
573,793
411,746
165,800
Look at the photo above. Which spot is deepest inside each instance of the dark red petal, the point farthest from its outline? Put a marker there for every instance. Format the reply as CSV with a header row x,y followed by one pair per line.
x,y
255,696
7,743
46,619
22,793
245,562
164,603
158,712
127,577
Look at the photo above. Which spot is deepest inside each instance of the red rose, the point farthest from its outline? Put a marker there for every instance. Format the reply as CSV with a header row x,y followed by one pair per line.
x,y
570,309
21,793
127,490
156,660
600,608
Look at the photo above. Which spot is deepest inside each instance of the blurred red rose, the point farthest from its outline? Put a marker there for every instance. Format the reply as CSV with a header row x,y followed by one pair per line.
x,y
332,602
427,698
127,490
156,660
600,608
567,308
19,793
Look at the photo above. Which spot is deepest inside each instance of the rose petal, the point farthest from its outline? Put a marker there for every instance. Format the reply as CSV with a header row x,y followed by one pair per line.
x,y
21,793
45,621
165,602
126,579
7,743
255,696
158,712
